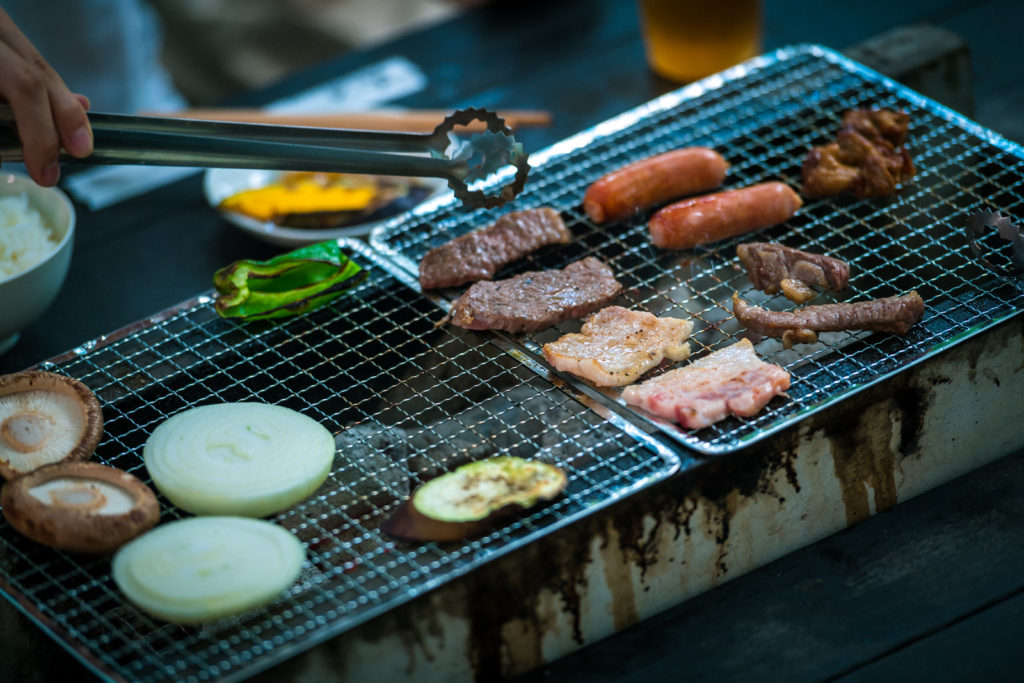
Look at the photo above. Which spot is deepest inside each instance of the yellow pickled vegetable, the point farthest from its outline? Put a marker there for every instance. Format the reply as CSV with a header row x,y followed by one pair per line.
x,y
304,196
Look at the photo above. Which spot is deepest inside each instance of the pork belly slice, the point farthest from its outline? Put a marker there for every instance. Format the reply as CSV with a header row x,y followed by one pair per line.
x,y
617,345
772,267
479,254
538,299
732,380
894,314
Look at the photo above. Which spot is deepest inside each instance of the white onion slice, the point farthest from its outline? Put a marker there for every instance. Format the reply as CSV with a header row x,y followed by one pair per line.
x,y
204,568
251,459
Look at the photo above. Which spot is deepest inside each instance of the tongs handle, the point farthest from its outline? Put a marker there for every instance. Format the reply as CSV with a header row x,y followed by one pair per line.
x,y
371,140
160,141
469,166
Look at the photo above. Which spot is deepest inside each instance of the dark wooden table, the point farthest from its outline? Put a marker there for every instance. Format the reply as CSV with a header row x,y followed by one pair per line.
x,y
928,590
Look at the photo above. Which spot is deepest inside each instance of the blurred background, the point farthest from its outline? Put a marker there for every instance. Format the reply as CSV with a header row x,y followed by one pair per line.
x,y
133,55
214,49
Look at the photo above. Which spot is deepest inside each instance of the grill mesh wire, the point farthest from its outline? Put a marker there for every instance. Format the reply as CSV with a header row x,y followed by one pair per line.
x,y
763,117
406,398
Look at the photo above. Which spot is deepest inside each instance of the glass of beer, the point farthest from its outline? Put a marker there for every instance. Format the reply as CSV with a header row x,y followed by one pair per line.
x,y
689,39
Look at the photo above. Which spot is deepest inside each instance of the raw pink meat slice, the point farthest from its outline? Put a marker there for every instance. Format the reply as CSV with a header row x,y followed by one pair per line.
x,y
731,380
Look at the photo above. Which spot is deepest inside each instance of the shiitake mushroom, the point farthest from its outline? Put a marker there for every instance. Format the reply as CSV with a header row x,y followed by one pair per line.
x,y
474,497
45,418
82,507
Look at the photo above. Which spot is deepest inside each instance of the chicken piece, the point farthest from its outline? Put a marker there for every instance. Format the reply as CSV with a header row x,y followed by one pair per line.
x,y
618,345
732,380
888,124
867,158
824,175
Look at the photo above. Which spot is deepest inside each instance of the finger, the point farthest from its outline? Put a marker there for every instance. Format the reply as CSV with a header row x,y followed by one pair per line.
x,y
72,122
67,109
24,87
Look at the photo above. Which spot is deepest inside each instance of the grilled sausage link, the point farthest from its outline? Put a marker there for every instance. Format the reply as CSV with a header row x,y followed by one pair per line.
x,y
718,216
653,181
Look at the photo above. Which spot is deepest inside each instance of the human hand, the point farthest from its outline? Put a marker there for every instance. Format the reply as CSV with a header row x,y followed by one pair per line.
x,y
47,114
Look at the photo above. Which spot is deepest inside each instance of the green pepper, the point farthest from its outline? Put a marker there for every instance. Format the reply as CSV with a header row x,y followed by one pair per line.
x,y
290,284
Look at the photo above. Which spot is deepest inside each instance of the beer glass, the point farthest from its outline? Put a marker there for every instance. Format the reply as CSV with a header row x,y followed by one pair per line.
x,y
689,39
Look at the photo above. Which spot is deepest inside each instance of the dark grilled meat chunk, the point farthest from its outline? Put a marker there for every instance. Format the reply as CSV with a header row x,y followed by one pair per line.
x,y
479,254
893,314
772,267
867,158
533,301
887,124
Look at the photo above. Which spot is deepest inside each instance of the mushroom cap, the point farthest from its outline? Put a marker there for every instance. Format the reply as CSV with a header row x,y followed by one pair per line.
x,y
82,507
45,418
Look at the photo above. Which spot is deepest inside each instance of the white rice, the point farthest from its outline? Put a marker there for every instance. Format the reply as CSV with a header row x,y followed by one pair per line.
x,y
25,239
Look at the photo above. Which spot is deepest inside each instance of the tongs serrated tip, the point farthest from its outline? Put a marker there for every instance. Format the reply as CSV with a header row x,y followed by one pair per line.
x,y
980,222
497,149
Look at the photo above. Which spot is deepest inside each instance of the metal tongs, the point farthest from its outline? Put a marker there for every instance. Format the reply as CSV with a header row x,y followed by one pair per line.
x,y
483,169
984,221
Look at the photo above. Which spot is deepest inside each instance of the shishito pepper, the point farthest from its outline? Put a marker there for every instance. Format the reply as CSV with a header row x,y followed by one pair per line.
x,y
290,284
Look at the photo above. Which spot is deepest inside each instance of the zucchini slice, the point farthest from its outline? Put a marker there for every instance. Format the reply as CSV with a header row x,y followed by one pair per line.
x,y
468,500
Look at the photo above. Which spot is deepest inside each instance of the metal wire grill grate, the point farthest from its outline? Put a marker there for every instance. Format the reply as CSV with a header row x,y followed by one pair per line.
x,y
763,117
407,400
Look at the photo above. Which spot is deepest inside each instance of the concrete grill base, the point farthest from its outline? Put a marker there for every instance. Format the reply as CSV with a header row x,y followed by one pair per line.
x,y
710,523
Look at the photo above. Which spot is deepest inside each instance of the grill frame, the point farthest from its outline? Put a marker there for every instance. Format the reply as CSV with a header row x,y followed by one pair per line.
x,y
453,398
763,115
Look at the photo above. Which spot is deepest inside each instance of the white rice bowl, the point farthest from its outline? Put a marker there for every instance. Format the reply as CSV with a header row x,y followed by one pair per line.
x,y
37,227
25,239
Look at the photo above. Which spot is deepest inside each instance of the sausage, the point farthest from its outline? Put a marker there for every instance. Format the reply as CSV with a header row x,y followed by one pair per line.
x,y
653,181
717,216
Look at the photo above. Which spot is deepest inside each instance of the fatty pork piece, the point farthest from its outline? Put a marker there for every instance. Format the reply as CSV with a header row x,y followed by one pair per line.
x,y
732,380
616,345
538,299
894,314
867,158
772,267
479,254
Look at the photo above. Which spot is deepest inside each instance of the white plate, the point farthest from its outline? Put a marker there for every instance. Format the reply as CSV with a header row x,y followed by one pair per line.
x,y
221,183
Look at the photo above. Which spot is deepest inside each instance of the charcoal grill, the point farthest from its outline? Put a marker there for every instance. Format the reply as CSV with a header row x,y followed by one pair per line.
x,y
408,398
763,117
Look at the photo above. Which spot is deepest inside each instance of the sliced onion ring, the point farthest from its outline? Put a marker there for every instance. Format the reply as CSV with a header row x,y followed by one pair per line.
x,y
249,459
204,568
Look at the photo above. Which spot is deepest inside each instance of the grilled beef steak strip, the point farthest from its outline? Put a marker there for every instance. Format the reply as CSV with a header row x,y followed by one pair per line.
x,y
893,314
479,254
533,301
772,267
